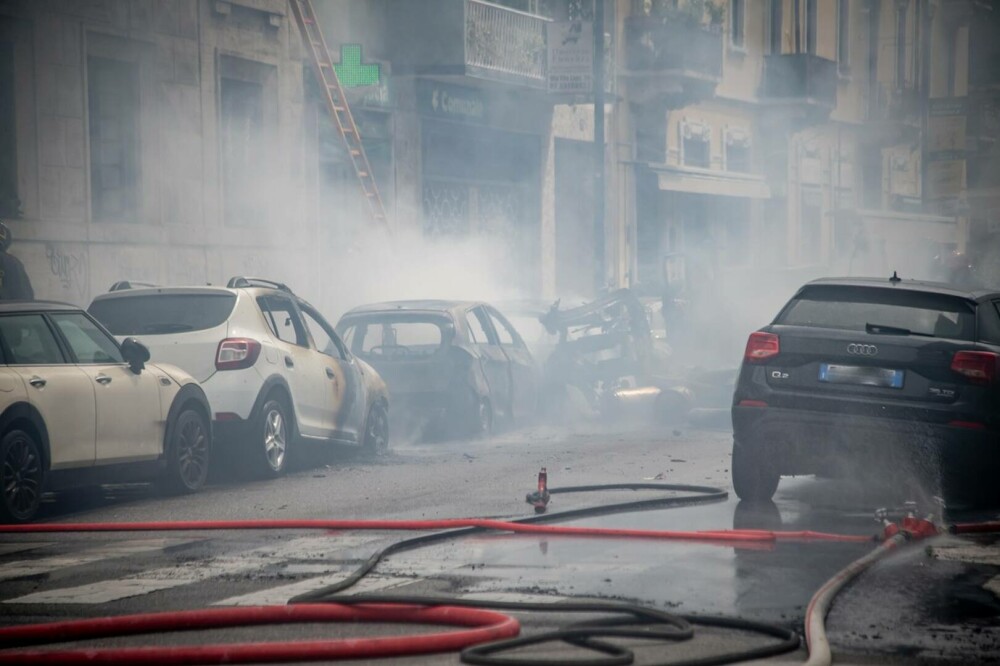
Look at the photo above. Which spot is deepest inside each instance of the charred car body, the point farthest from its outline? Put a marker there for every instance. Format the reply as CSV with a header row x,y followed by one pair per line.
x,y
452,367
608,362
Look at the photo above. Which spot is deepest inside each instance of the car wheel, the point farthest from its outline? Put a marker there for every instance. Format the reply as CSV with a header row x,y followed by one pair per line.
x,y
754,478
273,434
188,451
376,441
482,425
21,476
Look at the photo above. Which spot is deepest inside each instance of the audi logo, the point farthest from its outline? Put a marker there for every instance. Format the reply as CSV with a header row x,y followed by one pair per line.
x,y
859,349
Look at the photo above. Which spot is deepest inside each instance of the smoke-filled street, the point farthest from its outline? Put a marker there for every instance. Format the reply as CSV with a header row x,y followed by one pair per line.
x,y
500,332
932,605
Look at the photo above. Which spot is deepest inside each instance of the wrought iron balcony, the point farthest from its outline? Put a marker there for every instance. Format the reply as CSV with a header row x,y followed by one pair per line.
x,y
800,78
654,45
467,38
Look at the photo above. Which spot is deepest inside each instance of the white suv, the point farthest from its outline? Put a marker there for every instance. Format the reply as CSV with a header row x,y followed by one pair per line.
x,y
274,370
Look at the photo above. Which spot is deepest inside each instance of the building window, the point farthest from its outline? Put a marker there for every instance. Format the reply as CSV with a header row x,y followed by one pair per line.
x,y
950,59
774,33
247,124
737,14
113,104
10,205
811,225
737,150
812,26
843,36
696,145
900,46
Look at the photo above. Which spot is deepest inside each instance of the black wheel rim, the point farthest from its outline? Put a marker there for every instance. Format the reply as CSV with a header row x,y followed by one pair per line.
x,y
378,431
22,475
192,452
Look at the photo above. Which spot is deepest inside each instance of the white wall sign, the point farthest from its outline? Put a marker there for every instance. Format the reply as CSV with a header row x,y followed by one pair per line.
x,y
570,56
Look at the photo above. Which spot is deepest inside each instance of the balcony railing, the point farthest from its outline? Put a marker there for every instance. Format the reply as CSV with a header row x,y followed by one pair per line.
x,y
654,45
800,77
504,41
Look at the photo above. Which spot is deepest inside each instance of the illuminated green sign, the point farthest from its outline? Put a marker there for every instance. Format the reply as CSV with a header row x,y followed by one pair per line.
x,y
351,72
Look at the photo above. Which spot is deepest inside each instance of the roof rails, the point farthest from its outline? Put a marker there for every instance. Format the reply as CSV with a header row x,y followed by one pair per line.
x,y
241,282
121,285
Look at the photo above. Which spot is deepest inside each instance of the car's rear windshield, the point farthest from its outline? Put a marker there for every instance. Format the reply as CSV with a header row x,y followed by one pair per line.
x,y
890,310
395,337
161,314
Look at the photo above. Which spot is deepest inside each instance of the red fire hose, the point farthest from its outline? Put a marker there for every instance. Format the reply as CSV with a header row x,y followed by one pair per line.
x,y
483,625
724,536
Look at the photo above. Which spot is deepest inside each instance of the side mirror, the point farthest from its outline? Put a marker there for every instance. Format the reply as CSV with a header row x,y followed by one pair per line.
x,y
135,354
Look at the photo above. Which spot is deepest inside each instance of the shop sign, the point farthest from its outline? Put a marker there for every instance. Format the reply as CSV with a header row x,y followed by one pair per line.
x,y
451,101
570,50
946,143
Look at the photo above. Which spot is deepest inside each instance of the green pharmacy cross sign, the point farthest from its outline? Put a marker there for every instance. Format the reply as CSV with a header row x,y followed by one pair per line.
x,y
351,72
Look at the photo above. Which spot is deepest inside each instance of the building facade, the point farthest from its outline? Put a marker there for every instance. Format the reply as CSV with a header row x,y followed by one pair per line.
x,y
832,142
186,141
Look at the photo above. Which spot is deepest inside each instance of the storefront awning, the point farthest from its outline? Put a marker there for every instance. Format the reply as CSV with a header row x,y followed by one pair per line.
x,y
706,181
904,227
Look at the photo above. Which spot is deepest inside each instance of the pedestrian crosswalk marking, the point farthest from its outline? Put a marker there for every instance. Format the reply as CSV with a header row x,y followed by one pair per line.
x,y
186,573
282,593
44,565
12,548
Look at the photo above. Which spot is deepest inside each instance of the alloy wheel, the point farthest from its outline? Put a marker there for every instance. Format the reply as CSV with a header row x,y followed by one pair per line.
x,y
192,453
275,439
21,478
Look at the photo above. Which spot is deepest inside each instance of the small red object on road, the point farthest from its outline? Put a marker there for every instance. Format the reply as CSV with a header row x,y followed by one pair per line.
x,y
540,498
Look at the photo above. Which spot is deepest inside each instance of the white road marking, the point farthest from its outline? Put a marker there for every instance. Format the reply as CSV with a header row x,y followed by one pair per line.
x,y
514,597
281,594
20,547
186,573
22,568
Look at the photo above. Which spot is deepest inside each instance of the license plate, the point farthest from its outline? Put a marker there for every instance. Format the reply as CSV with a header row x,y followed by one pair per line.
x,y
860,375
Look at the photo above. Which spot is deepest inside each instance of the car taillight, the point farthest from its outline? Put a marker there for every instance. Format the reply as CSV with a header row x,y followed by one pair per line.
x,y
236,354
976,366
761,346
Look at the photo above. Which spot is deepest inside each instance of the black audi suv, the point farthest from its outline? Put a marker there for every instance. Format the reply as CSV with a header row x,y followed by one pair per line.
x,y
873,374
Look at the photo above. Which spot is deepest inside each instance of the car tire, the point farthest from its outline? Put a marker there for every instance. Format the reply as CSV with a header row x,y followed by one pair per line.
x,y
188,453
754,478
376,439
21,476
272,436
482,420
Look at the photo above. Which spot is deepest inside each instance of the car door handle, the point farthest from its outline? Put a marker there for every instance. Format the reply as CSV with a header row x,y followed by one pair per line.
x,y
289,363
37,381
329,373
102,379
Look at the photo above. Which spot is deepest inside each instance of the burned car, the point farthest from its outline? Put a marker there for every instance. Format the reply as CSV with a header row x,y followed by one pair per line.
x,y
609,362
452,367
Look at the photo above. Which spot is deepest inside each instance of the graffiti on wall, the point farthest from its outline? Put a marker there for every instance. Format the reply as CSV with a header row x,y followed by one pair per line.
x,y
70,268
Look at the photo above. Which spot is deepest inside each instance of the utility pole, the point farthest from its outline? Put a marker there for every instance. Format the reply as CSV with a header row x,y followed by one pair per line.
x,y
599,193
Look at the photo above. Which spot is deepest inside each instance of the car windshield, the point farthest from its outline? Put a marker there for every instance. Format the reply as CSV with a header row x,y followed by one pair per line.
x,y
394,337
882,310
161,314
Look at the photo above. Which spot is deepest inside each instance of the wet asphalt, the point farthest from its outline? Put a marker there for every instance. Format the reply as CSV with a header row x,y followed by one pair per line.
x,y
932,603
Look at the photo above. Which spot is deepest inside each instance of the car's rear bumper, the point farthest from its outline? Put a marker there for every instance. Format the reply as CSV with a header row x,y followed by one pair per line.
x,y
803,441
